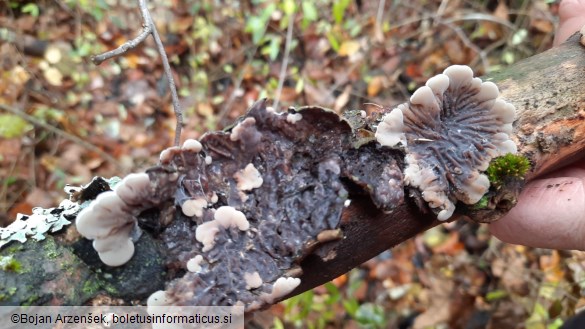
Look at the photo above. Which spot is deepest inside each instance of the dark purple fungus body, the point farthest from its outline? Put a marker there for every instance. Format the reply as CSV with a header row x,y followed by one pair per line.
x,y
451,129
272,185
239,210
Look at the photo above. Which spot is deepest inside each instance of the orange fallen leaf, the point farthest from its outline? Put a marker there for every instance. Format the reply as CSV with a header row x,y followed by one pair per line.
x,y
375,85
348,48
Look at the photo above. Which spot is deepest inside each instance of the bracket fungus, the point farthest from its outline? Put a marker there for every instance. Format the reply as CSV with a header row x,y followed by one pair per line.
x,y
451,129
275,189
110,219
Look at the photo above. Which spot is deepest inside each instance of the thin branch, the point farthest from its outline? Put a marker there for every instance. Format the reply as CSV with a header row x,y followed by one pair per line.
x,y
148,28
284,66
171,81
379,17
98,59
65,135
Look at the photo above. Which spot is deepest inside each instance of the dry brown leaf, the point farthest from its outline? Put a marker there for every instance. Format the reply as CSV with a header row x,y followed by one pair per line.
x,y
375,85
455,51
440,296
205,109
40,198
53,76
20,208
552,267
451,246
342,99
348,48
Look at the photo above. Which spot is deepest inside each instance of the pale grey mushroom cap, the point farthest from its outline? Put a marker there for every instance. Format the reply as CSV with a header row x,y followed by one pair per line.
x,y
110,218
453,127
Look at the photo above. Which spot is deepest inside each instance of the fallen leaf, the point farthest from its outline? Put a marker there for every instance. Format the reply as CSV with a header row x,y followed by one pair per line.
x,y
342,99
40,198
13,126
348,48
53,76
375,85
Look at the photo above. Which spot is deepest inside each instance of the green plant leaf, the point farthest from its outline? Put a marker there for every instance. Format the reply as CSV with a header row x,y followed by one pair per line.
x,y
289,7
339,8
273,47
370,315
13,126
32,9
309,11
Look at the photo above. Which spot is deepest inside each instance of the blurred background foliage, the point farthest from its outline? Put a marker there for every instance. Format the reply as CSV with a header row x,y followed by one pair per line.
x,y
64,120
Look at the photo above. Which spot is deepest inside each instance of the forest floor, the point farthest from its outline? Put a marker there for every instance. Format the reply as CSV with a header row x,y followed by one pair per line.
x,y
65,120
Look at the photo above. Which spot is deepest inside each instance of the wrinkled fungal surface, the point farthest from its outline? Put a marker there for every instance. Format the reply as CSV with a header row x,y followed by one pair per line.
x,y
451,129
294,173
238,211
236,228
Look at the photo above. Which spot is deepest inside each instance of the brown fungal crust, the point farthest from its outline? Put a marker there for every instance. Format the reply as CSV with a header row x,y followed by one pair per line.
x,y
452,128
307,169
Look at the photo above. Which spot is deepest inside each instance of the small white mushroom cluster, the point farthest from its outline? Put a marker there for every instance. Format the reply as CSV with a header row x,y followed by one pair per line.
x,y
110,218
451,129
223,218
281,287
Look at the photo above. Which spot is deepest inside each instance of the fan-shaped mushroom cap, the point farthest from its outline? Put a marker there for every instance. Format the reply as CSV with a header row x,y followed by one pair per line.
x,y
109,219
453,127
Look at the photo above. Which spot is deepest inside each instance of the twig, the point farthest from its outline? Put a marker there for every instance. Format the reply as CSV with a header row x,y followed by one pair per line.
x,y
379,18
171,81
65,135
284,66
148,28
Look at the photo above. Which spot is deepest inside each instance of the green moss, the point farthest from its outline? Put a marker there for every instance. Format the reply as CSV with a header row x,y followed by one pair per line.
x,y
15,248
482,203
10,264
52,250
91,287
507,166
30,300
9,293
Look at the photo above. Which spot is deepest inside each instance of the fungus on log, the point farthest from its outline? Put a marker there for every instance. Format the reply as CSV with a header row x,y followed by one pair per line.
x,y
451,129
273,191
